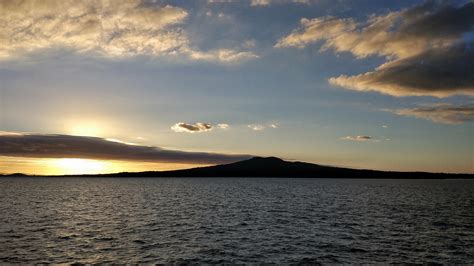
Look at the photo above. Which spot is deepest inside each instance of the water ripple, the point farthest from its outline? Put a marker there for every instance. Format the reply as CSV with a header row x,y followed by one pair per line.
x,y
235,220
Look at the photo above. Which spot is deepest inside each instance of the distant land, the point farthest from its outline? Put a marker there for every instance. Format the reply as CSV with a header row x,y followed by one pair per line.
x,y
274,167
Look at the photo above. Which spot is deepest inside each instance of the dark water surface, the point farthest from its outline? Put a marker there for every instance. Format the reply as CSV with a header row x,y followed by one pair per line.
x,y
235,220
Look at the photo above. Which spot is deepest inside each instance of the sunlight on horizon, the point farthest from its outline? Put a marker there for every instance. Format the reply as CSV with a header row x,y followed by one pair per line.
x,y
78,166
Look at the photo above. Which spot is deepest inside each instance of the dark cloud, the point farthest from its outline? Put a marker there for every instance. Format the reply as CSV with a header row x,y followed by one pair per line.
x,y
441,113
191,128
67,146
438,72
436,19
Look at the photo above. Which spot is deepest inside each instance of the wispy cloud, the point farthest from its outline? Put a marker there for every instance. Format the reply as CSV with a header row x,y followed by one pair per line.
x,y
249,44
219,15
7,133
67,146
223,126
424,46
269,2
222,55
263,3
440,113
105,28
260,127
256,127
359,138
260,2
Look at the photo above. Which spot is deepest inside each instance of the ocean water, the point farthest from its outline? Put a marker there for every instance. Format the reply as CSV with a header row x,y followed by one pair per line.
x,y
235,220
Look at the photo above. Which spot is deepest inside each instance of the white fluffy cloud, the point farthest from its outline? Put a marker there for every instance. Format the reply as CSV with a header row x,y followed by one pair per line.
x,y
424,47
108,28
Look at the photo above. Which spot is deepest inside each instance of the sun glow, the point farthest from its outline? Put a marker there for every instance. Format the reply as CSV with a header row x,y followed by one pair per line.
x,y
91,129
79,166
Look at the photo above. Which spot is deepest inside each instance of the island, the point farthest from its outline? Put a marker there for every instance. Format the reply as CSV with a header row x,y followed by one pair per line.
x,y
276,167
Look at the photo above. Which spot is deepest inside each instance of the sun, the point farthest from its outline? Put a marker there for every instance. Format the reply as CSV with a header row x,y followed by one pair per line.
x,y
73,166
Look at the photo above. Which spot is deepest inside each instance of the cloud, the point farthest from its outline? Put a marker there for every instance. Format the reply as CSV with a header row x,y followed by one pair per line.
x,y
441,113
269,2
256,127
259,2
223,55
249,44
191,128
67,146
7,133
424,46
398,34
358,138
440,73
197,127
306,2
313,30
262,3
219,15
219,1
105,28
223,126
260,127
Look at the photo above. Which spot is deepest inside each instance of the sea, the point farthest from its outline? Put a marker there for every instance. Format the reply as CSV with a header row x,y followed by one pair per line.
x,y
236,220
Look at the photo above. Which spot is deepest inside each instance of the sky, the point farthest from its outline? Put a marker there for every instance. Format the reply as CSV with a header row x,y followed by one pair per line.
x,y
107,86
